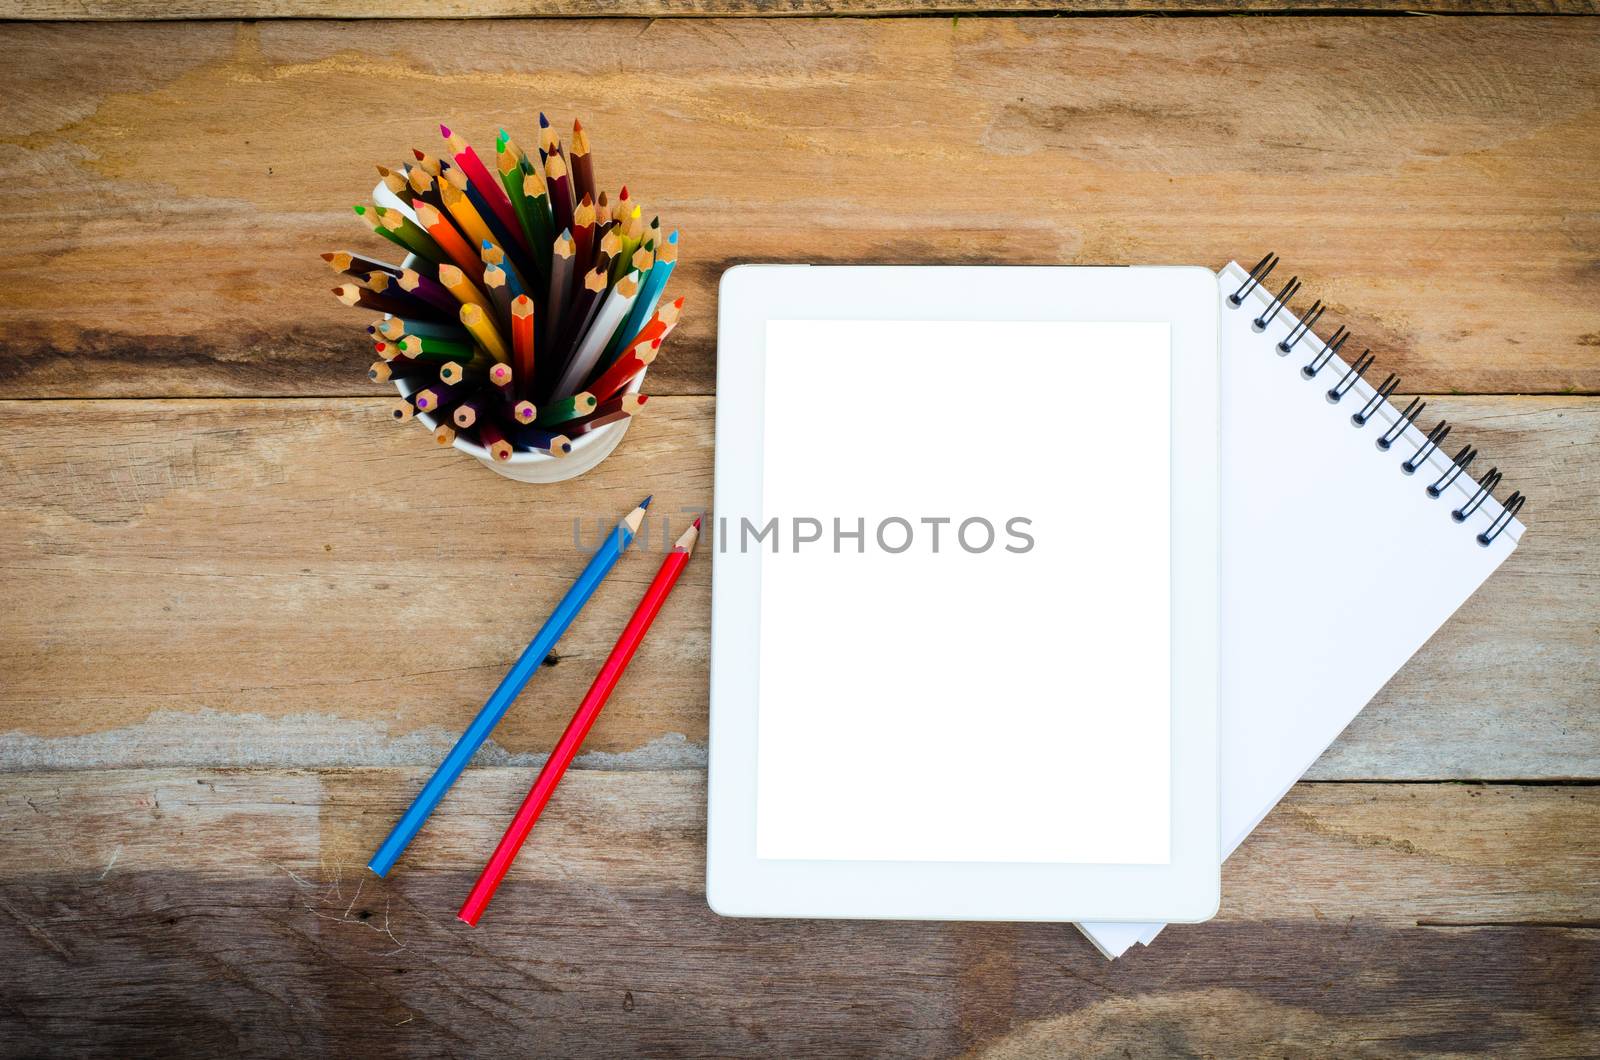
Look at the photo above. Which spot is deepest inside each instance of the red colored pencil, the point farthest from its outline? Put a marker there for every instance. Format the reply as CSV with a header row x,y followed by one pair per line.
x,y
610,673
487,186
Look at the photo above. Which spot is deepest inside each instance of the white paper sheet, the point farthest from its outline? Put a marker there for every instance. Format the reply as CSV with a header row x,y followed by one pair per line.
x,y
1336,566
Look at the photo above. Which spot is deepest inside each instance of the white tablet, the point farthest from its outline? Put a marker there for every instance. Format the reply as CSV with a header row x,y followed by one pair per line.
x,y
964,649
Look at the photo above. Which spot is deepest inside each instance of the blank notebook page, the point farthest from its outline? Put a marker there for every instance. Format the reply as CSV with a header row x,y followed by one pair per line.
x,y
1336,565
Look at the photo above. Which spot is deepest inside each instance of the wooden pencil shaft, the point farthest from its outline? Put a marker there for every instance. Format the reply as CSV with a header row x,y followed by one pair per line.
x,y
488,187
578,428
484,331
540,440
420,242
437,396
611,314
492,438
355,265
450,239
624,371
463,288
447,349
354,295
399,327
564,409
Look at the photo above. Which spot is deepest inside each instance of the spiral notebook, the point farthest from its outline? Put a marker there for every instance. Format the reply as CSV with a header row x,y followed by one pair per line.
x,y
1351,530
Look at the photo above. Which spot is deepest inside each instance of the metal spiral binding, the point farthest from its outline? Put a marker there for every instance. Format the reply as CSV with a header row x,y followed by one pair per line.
x,y
1260,322
1407,418
1299,331
1486,485
1354,372
1413,411
1329,348
1435,439
1262,270
1513,505
1453,472
1379,396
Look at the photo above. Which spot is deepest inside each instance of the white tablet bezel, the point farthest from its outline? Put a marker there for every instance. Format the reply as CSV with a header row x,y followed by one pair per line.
x,y
1187,889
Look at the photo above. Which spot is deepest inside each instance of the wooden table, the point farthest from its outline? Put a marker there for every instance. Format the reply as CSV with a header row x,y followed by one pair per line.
x,y
244,613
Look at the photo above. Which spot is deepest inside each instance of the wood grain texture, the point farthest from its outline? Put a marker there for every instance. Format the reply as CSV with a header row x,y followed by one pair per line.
x,y
126,10
1432,179
229,908
307,583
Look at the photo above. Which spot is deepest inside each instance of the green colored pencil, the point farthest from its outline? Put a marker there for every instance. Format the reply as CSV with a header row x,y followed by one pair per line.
x,y
580,404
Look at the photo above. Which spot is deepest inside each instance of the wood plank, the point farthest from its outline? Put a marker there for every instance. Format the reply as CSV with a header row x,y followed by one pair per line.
x,y
127,10
229,908
307,583
1431,178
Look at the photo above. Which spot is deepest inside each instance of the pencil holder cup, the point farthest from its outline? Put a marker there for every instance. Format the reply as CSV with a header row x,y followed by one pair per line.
x,y
587,450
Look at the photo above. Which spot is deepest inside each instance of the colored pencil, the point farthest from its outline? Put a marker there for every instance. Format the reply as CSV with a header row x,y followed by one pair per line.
x,y
490,188
428,290
436,396
575,407
499,287
369,217
583,235
457,283
611,314
456,248
524,282
402,369
482,327
400,327
582,164
492,438
619,408
423,188
522,342
444,434
355,295
464,213
650,295
456,372
540,439
560,186
589,579
408,234
466,413
350,264
561,262
629,365
425,348
583,720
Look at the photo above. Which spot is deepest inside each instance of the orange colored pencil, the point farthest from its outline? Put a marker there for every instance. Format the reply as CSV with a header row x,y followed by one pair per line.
x,y
445,234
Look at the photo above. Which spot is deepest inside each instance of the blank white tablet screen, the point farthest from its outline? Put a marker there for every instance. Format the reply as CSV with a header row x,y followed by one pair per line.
x,y
984,673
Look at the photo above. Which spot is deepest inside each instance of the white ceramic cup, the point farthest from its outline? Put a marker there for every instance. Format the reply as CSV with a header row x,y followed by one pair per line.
x,y
587,449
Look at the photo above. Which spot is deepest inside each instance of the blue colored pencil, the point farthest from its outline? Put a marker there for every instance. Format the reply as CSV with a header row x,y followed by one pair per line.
x,y
649,297
510,686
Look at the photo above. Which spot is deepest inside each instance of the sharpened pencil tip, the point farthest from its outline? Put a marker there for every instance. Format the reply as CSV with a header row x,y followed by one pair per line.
x,y
544,123
646,502
444,130
697,522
